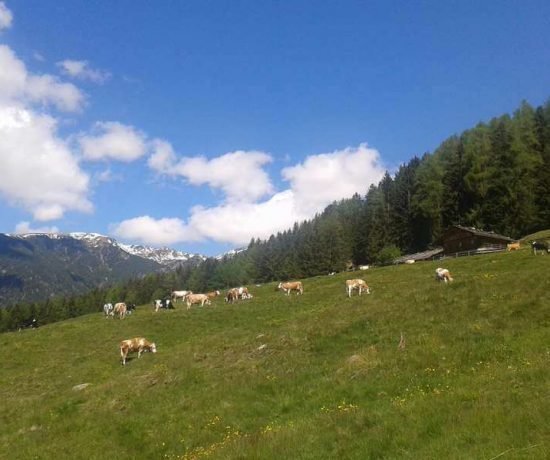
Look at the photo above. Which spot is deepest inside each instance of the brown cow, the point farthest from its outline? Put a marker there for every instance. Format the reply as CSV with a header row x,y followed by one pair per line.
x,y
138,344
512,246
120,309
292,286
192,299
211,295
232,295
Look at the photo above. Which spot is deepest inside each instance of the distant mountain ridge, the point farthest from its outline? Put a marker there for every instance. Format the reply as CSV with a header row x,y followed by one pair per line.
x,y
36,266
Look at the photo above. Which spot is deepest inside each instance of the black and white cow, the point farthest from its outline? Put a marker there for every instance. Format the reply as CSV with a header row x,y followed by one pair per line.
x,y
28,324
108,309
163,303
540,246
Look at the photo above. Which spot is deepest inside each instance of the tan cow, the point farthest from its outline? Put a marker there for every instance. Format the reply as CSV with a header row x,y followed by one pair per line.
x,y
292,286
512,246
120,309
442,274
358,284
192,299
138,344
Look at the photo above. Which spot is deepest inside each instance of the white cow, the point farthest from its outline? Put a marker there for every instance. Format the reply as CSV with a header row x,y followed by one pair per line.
x,y
180,295
358,284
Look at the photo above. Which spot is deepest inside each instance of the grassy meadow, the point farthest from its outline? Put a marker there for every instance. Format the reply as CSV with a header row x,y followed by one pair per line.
x,y
319,376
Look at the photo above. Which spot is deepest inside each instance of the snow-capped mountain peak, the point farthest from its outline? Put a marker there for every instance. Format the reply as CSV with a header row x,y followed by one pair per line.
x,y
160,255
163,256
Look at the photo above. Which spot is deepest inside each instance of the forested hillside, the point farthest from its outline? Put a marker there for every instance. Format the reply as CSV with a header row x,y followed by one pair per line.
x,y
495,177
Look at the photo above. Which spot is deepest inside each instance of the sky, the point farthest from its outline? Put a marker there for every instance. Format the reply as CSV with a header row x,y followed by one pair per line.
x,y
202,124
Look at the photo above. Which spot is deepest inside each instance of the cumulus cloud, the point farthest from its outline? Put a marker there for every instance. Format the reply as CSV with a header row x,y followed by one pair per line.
x,y
238,174
113,140
314,184
6,17
37,169
154,231
25,227
322,179
17,85
83,71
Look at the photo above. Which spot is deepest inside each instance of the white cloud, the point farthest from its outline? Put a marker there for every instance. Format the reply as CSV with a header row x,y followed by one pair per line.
x,y
37,170
83,71
152,231
234,223
6,16
17,85
238,174
163,158
113,140
323,178
25,227
314,184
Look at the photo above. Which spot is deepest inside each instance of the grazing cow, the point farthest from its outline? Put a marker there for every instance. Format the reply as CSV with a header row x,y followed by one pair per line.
x,y
232,295
108,309
192,299
364,267
213,294
243,293
292,286
130,308
442,274
179,295
238,293
138,344
120,309
512,246
539,246
358,284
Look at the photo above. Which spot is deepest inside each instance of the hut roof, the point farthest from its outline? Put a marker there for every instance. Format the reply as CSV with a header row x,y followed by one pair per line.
x,y
478,232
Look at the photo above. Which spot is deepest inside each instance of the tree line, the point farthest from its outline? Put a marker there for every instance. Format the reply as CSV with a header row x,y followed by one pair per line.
x,y
495,177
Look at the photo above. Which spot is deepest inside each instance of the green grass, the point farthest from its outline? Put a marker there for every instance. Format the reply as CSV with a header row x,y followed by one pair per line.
x,y
312,377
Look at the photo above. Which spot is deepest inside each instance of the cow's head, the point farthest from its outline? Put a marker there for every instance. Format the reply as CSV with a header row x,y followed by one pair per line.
x,y
153,348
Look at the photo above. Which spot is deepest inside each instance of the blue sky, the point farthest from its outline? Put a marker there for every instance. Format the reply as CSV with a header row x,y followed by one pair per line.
x,y
201,124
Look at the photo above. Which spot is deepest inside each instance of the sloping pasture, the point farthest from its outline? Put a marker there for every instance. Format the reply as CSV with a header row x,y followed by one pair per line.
x,y
300,377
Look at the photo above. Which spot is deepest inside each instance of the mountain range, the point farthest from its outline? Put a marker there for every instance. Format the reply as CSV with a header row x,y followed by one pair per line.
x,y
36,266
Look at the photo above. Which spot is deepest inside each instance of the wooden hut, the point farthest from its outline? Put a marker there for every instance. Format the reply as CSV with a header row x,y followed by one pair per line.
x,y
459,239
